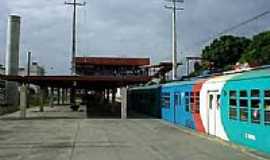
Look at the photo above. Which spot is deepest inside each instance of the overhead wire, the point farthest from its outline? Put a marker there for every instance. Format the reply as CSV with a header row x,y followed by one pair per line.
x,y
232,28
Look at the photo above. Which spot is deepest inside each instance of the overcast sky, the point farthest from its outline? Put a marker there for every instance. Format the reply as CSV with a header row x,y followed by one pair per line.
x,y
139,28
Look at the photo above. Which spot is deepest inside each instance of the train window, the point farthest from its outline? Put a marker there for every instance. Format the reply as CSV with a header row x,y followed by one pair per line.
x,y
267,117
197,103
244,114
192,97
243,103
180,99
255,103
267,111
187,103
211,101
243,93
233,105
166,100
218,101
233,102
192,101
255,110
176,99
255,116
255,93
233,113
233,94
267,93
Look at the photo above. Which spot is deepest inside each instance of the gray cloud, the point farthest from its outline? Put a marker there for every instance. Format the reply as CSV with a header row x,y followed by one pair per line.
x,y
123,28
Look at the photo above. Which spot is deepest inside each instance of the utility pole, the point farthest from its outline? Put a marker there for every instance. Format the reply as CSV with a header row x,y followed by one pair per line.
x,y
28,63
174,8
73,63
75,5
28,74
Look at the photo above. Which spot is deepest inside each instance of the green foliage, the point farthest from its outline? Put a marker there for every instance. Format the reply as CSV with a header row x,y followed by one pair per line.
x,y
198,68
224,51
258,52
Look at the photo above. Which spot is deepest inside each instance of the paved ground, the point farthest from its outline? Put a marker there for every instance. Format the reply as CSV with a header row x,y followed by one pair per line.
x,y
58,136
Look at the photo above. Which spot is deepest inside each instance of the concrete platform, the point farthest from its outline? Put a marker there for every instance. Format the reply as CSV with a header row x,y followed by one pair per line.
x,y
73,137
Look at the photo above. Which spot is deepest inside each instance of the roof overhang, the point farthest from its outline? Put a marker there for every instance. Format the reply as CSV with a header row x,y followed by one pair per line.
x,y
111,61
86,82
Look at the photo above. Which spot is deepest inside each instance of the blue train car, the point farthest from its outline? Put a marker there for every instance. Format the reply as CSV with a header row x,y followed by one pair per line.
x,y
176,103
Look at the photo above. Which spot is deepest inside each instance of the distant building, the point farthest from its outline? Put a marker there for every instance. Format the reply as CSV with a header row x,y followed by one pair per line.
x,y
111,66
35,70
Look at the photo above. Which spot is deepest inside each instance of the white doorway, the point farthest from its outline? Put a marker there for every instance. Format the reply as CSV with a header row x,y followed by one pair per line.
x,y
213,111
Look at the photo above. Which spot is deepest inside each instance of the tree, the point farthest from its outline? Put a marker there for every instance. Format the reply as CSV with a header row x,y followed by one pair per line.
x,y
197,69
224,52
258,52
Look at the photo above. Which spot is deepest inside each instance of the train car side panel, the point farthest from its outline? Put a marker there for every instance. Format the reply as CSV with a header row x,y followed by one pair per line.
x,y
246,111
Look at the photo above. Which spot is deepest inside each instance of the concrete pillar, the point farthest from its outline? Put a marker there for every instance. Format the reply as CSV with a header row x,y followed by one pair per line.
x,y
42,97
108,95
114,95
58,96
63,95
73,96
123,103
12,58
104,95
66,96
23,100
51,97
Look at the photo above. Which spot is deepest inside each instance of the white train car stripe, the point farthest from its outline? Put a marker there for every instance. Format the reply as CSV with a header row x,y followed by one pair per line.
x,y
209,105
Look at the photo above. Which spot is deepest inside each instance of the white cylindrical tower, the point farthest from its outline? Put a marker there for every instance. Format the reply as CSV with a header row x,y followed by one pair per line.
x,y
12,58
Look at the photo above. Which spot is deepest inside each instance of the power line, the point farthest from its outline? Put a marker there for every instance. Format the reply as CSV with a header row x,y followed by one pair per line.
x,y
236,26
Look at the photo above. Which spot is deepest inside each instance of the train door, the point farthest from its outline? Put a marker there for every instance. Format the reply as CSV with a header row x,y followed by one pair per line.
x,y
213,110
177,107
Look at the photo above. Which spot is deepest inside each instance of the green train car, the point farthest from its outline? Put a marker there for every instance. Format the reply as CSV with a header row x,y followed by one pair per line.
x,y
145,100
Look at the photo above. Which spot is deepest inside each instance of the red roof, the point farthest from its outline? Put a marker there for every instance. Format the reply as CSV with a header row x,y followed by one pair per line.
x,y
112,61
